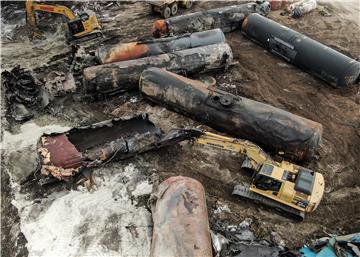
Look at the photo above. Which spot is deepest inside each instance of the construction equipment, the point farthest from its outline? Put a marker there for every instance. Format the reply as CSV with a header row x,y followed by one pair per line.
x,y
169,8
81,28
283,185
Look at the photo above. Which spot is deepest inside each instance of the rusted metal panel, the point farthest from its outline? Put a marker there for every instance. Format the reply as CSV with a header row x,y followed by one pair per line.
x,y
227,18
124,76
64,155
276,130
318,59
62,152
134,50
181,225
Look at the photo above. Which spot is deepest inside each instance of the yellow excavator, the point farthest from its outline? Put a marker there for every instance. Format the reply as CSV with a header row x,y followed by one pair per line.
x,y
81,28
282,185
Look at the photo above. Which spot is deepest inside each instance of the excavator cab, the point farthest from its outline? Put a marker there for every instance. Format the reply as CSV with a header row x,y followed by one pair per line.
x,y
289,185
84,25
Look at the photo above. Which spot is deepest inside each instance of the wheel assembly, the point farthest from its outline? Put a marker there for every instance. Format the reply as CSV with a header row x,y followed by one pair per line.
x,y
174,9
166,13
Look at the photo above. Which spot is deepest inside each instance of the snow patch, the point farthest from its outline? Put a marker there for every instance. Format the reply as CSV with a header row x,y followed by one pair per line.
x,y
104,222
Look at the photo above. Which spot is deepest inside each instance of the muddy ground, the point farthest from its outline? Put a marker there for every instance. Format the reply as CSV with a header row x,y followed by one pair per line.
x,y
257,75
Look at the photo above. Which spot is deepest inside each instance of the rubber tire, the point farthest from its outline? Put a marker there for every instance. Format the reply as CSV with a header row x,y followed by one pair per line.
x,y
166,12
174,9
189,4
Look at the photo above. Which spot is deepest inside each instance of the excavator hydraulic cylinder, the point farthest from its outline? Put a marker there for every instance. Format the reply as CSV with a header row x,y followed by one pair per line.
x,y
181,225
227,18
318,59
124,76
134,50
276,130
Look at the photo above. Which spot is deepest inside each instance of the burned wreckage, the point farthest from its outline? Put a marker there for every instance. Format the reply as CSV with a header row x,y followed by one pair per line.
x,y
124,76
159,69
67,154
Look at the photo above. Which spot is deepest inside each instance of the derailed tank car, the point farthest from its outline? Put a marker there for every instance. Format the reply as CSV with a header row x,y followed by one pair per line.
x,y
318,59
276,130
124,76
181,225
134,50
226,18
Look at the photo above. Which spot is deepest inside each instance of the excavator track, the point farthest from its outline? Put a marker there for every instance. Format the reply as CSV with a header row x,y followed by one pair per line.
x,y
85,38
244,191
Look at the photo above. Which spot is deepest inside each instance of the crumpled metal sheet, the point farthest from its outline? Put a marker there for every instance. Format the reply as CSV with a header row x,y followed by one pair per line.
x,y
181,225
227,18
276,130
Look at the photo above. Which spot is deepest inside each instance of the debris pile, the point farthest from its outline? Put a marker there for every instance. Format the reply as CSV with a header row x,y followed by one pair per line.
x,y
59,83
300,8
240,241
23,93
334,246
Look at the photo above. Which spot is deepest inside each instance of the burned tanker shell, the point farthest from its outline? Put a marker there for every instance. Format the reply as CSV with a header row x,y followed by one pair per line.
x,y
320,60
227,18
181,225
275,130
135,50
124,76
64,155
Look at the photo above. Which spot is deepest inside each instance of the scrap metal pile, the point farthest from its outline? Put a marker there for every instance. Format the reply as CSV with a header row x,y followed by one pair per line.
x,y
165,72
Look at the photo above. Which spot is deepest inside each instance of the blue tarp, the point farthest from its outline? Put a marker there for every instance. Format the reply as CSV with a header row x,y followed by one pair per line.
x,y
328,250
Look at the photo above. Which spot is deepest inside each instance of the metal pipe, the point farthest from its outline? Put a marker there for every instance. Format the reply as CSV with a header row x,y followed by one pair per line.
x,y
318,59
227,18
181,225
124,76
134,50
276,130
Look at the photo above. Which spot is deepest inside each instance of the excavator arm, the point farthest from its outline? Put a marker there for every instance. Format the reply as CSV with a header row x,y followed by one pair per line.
x,y
31,7
255,156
